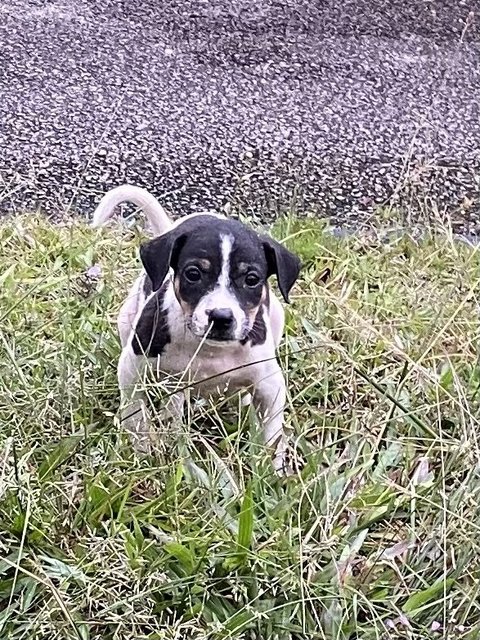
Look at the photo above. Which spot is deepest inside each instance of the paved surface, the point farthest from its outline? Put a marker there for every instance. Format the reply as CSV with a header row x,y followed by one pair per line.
x,y
331,107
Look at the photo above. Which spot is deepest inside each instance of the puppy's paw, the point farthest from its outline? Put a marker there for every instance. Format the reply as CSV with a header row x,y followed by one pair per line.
x,y
286,461
141,443
282,466
281,460
144,439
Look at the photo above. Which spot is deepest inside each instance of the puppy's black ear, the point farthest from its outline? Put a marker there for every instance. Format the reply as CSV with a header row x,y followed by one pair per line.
x,y
160,254
282,263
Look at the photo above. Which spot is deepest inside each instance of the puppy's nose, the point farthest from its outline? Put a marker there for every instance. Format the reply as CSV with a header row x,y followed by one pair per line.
x,y
221,318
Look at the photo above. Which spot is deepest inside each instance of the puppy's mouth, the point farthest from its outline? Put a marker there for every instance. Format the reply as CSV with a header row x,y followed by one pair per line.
x,y
219,336
214,335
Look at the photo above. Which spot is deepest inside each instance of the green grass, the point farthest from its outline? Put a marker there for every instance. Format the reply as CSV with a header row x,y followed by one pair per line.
x,y
377,537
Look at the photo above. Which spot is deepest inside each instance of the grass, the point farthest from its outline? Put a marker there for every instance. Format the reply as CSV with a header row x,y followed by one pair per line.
x,y
377,537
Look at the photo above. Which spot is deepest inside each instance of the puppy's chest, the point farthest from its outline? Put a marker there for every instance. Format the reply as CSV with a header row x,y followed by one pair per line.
x,y
161,334
212,370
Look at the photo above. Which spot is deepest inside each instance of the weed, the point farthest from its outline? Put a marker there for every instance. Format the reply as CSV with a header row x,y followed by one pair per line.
x,y
378,535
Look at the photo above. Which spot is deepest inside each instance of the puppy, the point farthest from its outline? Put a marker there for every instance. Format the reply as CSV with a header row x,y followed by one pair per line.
x,y
202,309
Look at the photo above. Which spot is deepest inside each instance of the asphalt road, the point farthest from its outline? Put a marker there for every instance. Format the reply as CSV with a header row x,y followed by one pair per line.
x,y
333,107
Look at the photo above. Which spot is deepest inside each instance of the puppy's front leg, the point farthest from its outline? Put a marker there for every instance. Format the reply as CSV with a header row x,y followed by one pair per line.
x,y
173,408
170,417
133,409
269,401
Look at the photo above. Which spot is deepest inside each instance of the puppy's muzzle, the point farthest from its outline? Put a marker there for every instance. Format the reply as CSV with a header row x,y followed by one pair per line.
x,y
222,324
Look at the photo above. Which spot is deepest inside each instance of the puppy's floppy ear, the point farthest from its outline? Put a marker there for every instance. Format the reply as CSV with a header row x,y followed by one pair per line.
x,y
282,263
160,254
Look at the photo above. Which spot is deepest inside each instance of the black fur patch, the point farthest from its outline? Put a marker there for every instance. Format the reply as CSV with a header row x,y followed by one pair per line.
x,y
258,332
147,286
152,333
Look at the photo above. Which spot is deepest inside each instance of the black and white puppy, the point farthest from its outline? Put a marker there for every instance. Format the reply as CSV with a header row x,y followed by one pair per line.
x,y
202,309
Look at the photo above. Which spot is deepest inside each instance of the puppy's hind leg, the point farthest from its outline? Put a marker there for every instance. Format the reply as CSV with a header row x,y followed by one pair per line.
x,y
133,409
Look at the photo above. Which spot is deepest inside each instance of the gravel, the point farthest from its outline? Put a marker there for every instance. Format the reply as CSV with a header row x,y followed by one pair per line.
x,y
332,108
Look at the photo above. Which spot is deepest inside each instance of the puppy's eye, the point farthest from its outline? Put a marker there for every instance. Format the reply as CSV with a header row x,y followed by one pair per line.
x,y
251,279
192,274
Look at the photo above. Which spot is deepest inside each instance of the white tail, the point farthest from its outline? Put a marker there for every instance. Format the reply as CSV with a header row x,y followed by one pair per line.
x,y
156,215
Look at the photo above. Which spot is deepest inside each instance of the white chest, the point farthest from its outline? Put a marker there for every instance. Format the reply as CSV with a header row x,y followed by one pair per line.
x,y
213,369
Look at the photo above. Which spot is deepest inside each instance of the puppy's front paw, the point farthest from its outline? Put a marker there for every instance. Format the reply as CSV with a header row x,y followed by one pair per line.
x,y
282,460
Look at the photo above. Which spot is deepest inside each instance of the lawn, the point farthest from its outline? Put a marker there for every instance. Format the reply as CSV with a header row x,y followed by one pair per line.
x,y
378,536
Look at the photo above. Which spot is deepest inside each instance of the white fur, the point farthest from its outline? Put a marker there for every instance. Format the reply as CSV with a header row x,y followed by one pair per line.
x,y
156,215
226,244
211,367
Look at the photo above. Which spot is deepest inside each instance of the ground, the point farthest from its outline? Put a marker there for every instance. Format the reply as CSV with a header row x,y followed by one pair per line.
x,y
375,537
324,106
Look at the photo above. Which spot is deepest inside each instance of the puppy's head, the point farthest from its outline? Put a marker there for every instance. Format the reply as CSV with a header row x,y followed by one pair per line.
x,y
220,272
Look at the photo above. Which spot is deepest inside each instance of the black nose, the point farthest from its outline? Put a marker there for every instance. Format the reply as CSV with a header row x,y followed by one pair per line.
x,y
221,318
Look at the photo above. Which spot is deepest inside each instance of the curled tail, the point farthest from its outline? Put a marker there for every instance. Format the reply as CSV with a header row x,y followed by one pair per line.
x,y
155,213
